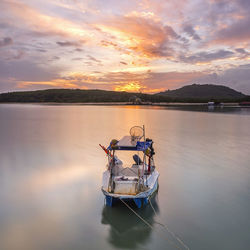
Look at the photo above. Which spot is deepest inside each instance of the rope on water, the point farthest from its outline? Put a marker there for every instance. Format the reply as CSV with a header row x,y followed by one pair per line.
x,y
145,221
169,231
136,213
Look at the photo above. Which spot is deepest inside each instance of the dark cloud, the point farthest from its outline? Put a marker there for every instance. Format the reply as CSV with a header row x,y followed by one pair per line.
x,y
124,63
122,50
77,59
54,58
241,50
78,50
235,33
16,71
6,41
41,50
25,70
191,32
93,59
236,77
242,53
12,54
230,21
4,25
68,44
206,56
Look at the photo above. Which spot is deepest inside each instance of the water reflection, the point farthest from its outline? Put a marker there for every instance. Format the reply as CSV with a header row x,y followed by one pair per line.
x,y
51,168
126,229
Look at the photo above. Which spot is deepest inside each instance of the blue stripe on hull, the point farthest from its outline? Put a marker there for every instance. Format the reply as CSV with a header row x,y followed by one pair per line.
x,y
138,202
109,200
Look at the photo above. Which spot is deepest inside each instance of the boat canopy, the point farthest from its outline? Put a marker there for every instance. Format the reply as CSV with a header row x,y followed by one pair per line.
x,y
126,143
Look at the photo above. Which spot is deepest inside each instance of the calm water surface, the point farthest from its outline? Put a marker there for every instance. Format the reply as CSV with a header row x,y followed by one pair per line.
x,y
51,168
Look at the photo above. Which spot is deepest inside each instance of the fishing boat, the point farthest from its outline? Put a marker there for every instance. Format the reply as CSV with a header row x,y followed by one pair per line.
x,y
135,182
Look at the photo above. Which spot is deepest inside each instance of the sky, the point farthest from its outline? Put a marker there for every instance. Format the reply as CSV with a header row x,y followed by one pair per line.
x,y
127,45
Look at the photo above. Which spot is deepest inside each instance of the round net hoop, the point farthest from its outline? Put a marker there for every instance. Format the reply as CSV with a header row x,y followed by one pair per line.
x,y
136,132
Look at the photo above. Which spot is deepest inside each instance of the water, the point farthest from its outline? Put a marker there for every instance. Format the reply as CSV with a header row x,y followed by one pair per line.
x,y
51,167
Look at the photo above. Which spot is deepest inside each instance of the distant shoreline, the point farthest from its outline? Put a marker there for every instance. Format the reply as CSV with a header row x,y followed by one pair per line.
x,y
170,104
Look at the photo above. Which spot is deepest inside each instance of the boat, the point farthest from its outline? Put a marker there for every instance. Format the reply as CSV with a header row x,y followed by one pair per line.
x,y
136,182
247,104
215,104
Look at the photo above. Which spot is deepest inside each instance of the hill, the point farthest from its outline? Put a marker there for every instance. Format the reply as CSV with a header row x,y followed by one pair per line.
x,y
69,96
191,93
205,91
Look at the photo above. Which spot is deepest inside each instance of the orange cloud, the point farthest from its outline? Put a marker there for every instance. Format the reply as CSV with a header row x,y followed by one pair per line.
x,y
130,87
137,87
146,36
43,24
146,82
61,83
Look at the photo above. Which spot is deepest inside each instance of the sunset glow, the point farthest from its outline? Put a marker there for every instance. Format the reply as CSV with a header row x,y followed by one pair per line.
x,y
138,46
130,87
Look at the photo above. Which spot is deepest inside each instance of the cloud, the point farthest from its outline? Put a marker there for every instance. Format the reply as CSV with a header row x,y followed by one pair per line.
x,y
77,59
6,41
206,57
120,48
143,35
69,44
97,40
241,50
242,53
171,80
12,54
147,82
235,77
26,70
191,32
93,59
229,22
30,21
56,83
238,32
18,55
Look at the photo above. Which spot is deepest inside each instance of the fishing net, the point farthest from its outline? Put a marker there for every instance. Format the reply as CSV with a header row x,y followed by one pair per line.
x,y
136,133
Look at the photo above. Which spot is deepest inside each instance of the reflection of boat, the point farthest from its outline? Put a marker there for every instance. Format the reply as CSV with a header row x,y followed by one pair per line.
x,y
137,182
126,229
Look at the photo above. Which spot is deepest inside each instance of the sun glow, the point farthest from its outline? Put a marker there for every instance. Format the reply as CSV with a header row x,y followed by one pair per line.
x,y
130,87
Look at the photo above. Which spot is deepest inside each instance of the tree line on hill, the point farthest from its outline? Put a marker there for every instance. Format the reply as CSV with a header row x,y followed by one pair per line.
x,y
192,93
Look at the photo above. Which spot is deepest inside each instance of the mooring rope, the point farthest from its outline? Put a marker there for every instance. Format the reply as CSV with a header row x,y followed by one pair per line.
x,y
169,231
136,213
170,241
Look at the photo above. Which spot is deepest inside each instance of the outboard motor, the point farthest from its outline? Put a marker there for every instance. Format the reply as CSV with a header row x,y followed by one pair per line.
x,y
137,159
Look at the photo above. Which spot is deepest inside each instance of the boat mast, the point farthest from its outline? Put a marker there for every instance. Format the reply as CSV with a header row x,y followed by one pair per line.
x,y
144,157
111,160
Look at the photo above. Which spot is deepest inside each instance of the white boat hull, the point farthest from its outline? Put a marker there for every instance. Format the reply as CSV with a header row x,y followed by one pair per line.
x,y
120,193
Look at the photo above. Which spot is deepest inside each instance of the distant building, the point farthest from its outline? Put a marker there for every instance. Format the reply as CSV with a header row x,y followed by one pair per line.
x,y
244,103
135,100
